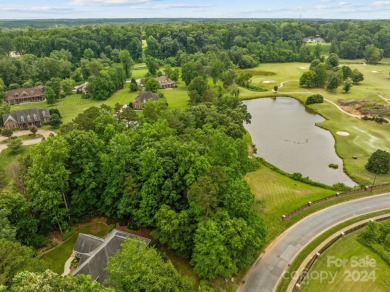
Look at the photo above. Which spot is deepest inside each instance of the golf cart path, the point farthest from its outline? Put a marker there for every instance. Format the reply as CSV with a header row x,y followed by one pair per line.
x,y
270,267
347,113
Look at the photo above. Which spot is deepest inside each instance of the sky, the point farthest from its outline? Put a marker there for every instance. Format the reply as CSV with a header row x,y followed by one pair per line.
x,y
329,9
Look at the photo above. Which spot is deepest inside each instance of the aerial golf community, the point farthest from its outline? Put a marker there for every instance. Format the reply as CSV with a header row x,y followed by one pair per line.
x,y
181,153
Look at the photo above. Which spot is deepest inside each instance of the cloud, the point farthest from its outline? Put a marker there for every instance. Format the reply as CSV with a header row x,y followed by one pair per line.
x,y
107,2
345,4
194,7
37,9
380,3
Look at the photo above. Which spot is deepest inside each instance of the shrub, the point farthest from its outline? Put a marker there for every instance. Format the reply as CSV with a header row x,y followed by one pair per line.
x,y
7,133
15,145
379,162
315,98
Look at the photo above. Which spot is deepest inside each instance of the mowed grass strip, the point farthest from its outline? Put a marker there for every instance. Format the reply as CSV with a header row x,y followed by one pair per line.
x,y
278,195
345,249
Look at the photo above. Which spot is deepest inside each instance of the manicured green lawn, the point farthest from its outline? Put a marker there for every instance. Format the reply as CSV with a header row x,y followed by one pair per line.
x,y
57,257
346,248
279,195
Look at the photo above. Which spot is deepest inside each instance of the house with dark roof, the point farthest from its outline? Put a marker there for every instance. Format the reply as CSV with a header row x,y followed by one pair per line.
x,y
25,118
143,98
165,82
94,252
22,95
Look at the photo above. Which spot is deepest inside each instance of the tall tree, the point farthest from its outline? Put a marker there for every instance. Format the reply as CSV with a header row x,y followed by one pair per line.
x,y
136,267
372,54
48,180
126,61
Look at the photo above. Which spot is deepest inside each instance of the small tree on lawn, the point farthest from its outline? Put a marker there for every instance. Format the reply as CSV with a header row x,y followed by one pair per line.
x,y
357,76
133,85
7,133
15,145
33,130
379,162
347,85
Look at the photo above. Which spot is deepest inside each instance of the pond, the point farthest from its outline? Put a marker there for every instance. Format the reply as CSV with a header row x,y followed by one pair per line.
x,y
285,135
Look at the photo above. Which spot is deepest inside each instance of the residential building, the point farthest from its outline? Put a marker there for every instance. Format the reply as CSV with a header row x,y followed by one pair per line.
x,y
22,95
94,252
165,82
25,118
141,99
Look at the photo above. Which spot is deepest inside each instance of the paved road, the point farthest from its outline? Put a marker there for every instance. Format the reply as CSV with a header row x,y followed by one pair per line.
x,y
265,274
44,133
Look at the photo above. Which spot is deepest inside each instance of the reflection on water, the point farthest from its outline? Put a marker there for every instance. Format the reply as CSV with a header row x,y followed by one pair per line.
x,y
285,135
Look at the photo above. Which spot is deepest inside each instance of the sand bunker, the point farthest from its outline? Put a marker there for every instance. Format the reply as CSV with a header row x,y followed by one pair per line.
x,y
303,68
375,71
340,133
268,81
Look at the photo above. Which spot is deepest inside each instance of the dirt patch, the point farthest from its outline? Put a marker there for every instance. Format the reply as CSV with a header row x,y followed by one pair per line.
x,y
341,133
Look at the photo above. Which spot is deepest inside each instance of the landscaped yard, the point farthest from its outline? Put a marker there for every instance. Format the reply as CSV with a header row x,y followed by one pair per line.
x,y
348,277
279,195
57,257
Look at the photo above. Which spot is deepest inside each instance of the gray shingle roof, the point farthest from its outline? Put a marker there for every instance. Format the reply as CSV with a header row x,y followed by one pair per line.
x,y
95,261
28,115
146,95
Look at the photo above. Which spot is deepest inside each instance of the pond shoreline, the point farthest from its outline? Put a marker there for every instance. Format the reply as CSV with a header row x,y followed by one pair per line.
x,y
347,180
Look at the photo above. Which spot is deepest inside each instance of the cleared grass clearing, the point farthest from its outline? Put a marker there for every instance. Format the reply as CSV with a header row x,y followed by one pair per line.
x,y
279,195
346,248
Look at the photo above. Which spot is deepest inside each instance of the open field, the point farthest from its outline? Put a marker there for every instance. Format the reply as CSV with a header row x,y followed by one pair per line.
x,y
365,136
346,248
57,257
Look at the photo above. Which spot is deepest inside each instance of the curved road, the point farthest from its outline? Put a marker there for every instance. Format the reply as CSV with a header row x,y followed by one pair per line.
x,y
273,262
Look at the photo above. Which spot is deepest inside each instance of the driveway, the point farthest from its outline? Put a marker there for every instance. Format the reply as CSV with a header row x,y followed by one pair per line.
x,y
273,262
44,133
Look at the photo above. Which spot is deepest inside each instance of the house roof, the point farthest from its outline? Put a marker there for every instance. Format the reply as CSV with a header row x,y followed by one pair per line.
x,y
146,95
164,80
27,116
24,92
94,261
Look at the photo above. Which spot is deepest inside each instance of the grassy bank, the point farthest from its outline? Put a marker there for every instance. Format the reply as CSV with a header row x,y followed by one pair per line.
x,y
278,195
316,242
345,249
